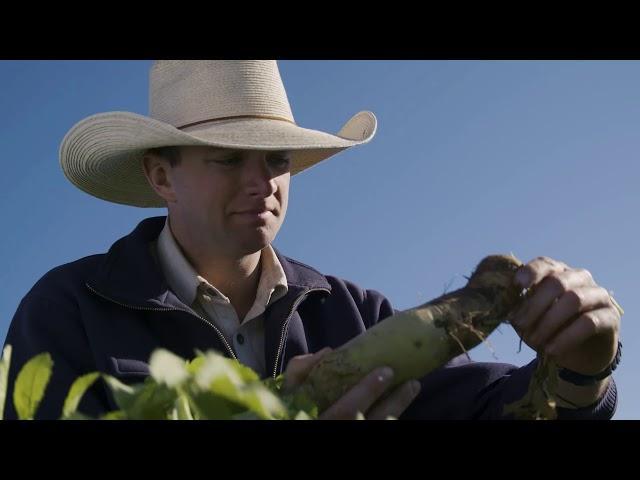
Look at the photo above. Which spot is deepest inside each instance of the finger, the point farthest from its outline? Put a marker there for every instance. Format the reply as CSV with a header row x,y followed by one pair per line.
x,y
566,308
554,285
587,325
396,402
533,272
299,367
360,397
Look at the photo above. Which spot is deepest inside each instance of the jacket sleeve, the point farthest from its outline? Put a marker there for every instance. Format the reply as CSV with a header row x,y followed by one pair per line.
x,y
464,389
39,325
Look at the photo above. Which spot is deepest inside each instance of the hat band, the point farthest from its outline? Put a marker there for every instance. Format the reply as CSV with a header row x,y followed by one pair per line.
x,y
268,117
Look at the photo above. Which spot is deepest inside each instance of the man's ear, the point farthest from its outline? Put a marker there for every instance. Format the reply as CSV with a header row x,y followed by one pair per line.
x,y
158,173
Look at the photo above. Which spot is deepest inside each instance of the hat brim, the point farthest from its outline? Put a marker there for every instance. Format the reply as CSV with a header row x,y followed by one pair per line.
x,y
102,154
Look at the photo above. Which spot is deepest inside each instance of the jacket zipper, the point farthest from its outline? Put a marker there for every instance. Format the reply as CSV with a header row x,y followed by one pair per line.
x,y
158,309
286,323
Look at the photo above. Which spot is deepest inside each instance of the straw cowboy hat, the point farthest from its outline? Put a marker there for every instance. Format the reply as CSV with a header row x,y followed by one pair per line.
x,y
237,104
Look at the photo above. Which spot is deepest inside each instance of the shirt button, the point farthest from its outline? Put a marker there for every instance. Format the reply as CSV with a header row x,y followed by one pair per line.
x,y
240,338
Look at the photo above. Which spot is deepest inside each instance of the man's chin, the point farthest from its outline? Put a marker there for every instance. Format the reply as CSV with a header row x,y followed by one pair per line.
x,y
253,245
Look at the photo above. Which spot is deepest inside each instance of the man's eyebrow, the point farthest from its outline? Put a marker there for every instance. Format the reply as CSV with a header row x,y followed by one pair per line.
x,y
279,153
220,152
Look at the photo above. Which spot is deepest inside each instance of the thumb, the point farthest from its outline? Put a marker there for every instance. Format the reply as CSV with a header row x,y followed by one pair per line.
x,y
299,367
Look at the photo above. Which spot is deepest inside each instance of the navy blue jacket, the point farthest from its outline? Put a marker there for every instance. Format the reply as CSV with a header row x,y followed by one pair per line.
x,y
108,312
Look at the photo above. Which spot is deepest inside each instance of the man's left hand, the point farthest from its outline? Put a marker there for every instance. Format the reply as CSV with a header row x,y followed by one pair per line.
x,y
567,316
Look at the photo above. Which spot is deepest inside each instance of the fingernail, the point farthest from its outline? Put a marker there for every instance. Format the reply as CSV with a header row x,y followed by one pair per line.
x,y
385,374
415,387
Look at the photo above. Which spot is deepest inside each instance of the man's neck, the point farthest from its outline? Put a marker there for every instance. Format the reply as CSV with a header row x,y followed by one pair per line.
x,y
237,278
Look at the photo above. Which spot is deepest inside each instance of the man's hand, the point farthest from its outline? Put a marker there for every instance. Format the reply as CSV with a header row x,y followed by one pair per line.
x,y
567,316
365,397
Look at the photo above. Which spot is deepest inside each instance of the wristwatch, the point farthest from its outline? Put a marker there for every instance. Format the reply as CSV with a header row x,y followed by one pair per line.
x,y
583,380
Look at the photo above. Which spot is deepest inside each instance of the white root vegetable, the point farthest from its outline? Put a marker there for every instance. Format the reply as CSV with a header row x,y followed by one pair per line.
x,y
417,341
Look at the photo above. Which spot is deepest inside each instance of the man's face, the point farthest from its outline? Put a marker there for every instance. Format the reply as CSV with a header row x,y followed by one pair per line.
x,y
234,202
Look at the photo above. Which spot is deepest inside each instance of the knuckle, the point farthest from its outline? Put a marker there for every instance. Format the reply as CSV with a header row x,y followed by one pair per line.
x,y
296,362
577,299
527,270
559,283
592,322
551,261
299,364
606,298
587,275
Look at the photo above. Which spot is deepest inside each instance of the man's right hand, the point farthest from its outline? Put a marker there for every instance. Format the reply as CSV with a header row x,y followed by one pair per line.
x,y
365,397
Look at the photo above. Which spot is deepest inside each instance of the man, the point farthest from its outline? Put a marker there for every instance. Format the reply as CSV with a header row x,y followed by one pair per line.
x,y
218,150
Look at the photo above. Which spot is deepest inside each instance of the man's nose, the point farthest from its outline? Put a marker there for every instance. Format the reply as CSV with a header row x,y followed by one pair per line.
x,y
259,179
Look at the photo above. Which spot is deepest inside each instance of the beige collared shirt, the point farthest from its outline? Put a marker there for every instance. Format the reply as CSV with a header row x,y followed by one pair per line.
x,y
246,335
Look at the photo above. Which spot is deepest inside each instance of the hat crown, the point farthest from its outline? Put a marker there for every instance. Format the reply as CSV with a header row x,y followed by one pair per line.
x,y
186,92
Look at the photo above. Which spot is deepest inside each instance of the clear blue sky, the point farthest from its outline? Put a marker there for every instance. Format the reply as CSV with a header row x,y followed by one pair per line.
x,y
471,158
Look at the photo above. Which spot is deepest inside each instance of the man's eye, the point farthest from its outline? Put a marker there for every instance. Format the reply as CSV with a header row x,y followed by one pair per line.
x,y
280,162
228,162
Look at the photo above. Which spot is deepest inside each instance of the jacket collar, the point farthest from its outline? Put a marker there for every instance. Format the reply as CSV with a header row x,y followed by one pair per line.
x,y
129,274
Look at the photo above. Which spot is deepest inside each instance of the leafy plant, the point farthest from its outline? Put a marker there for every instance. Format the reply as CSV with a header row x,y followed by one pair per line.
x,y
209,387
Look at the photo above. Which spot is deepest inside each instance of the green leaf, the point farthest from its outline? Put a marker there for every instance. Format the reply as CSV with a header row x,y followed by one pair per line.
x,y
4,377
77,416
145,401
212,407
209,387
194,365
123,394
274,384
154,402
302,415
216,368
114,415
260,400
182,409
246,374
239,385
254,397
301,401
30,385
246,415
76,392
168,368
